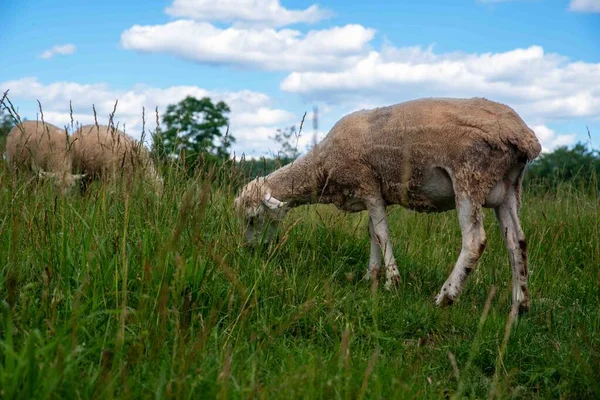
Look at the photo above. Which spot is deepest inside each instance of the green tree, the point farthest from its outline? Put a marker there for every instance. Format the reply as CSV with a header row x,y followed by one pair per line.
x,y
578,165
194,126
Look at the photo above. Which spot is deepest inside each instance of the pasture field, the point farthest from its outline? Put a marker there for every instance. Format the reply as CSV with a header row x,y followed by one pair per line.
x,y
122,295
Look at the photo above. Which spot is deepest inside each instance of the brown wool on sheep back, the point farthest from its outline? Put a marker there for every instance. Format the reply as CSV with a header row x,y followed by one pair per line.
x,y
102,152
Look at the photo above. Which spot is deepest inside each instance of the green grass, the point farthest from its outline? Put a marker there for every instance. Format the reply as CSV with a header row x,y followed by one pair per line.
x,y
115,295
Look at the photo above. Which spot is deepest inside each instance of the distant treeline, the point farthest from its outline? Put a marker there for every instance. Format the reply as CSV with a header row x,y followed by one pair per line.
x,y
577,166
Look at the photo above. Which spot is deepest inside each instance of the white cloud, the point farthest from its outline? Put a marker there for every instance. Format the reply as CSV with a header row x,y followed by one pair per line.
x,y
537,84
252,120
263,116
254,12
63,49
550,140
261,48
585,6
63,119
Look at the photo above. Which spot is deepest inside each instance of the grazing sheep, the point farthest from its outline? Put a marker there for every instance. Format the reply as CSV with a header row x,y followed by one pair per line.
x,y
101,152
428,155
43,148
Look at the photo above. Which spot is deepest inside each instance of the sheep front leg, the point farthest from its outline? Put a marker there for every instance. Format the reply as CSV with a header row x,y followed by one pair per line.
x,y
375,257
378,220
470,217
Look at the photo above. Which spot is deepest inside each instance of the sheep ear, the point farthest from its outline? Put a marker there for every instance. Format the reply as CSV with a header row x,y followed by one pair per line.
x,y
272,203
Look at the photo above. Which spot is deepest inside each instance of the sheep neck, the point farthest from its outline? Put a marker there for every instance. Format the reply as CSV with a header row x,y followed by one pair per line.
x,y
296,183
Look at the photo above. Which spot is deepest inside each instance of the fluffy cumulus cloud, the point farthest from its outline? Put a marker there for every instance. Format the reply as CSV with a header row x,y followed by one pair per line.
x,y
247,12
585,6
550,139
254,38
538,85
62,49
261,48
252,118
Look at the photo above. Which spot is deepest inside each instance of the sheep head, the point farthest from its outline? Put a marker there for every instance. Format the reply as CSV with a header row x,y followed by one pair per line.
x,y
64,182
261,211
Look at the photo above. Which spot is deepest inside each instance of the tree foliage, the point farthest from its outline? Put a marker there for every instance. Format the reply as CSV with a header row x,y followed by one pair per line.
x,y
579,165
194,127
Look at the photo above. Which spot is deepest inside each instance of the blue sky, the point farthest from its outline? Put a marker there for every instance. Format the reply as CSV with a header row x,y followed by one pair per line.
x,y
272,60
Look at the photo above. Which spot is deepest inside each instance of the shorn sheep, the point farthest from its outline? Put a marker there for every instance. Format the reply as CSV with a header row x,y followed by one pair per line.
x,y
102,152
428,155
42,148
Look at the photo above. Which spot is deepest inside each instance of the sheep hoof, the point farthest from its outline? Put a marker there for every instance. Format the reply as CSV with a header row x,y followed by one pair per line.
x,y
521,297
392,282
372,273
443,300
524,307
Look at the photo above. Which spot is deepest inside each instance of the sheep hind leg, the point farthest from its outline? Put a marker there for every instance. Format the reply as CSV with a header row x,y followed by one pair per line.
x,y
470,217
381,230
514,238
375,256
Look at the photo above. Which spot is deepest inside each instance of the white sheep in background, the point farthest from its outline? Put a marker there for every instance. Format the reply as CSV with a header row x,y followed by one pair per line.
x,y
102,152
428,155
43,148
